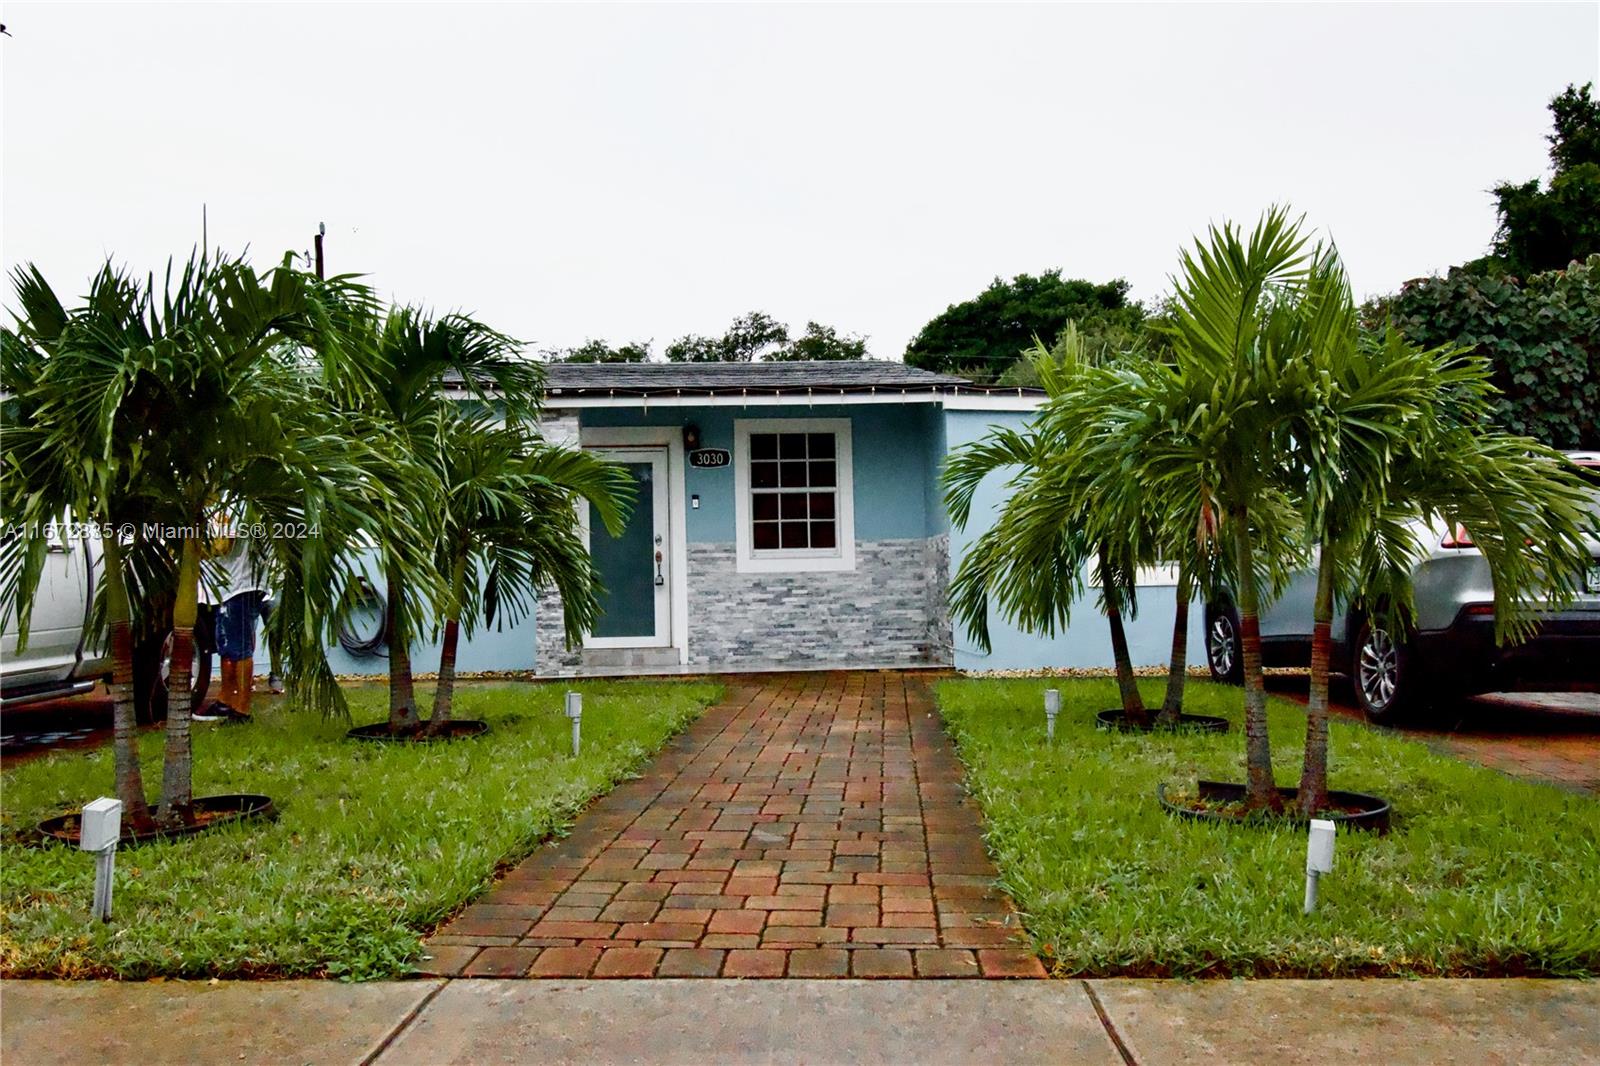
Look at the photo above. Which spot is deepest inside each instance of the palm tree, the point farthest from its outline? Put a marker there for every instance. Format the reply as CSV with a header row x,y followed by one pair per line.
x,y
60,466
1389,435
412,359
1062,518
208,398
1212,431
510,525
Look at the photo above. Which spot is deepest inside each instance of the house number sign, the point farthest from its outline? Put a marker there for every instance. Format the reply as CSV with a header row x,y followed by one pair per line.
x,y
710,457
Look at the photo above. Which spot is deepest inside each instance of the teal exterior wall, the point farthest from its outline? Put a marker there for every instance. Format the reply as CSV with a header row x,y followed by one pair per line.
x,y
511,647
896,450
1087,641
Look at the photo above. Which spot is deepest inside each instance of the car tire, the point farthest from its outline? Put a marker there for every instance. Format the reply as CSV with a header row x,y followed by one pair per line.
x,y
1384,674
1224,653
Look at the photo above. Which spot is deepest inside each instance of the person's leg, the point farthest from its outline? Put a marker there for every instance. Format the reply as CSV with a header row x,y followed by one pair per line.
x,y
247,685
236,627
229,696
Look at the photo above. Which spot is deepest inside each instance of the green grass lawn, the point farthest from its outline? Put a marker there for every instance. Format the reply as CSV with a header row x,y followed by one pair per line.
x,y
1481,874
376,843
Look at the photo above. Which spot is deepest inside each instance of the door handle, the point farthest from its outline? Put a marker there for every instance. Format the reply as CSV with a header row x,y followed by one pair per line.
x,y
659,579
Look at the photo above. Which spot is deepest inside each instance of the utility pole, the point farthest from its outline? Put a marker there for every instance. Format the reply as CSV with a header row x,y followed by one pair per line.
x,y
321,229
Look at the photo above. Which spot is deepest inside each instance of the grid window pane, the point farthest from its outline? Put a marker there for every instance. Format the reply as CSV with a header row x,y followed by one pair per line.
x,y
793,478
793,475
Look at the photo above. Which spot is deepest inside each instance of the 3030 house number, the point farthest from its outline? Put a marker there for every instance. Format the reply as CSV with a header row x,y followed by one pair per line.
x,y
710,457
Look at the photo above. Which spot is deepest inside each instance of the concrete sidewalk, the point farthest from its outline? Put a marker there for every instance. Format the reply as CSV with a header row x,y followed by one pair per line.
x,y
1111,1022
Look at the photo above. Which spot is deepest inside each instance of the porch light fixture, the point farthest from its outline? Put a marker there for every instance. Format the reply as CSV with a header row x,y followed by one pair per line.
x,y
99,829
575,713
1052,707
691,436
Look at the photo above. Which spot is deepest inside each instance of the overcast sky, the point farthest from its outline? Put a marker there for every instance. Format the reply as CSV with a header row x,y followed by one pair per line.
x,y
622,172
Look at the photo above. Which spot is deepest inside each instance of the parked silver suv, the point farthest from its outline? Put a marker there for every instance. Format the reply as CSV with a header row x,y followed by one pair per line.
x,y
1450,649
61,657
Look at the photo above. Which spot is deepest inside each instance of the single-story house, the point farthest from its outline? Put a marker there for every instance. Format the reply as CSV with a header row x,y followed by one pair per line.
x,y
789,516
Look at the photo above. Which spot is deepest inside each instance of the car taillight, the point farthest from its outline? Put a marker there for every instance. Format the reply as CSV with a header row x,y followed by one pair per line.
x,y
1478,610
1459,539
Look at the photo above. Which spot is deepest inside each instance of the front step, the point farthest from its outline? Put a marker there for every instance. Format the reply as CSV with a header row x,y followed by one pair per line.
x,y
629,658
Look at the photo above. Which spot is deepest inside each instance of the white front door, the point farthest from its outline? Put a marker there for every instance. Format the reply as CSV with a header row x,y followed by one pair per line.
x,y
635,566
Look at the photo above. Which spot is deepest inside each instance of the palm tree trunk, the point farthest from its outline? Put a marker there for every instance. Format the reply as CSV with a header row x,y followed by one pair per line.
x,y
403,714
177,778
1132,705
1261,793
444,691
1178,661
1314,772
125,739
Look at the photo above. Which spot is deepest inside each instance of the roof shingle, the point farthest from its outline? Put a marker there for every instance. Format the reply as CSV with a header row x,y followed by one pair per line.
x,y
863,375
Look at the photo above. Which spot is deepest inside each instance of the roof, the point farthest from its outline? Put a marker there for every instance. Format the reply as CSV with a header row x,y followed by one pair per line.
x,y
746,384
638,379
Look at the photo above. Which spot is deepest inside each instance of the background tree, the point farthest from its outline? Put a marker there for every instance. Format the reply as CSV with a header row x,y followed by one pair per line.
x,y
748,338
1531,307
595,351
758,336
1541,337
1545,228
823,343
981,337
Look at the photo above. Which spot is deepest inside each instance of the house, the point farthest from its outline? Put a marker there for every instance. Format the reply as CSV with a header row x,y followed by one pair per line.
x,y
789,515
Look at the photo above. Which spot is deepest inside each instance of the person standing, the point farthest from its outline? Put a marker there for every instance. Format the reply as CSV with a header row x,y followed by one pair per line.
x,y
241,595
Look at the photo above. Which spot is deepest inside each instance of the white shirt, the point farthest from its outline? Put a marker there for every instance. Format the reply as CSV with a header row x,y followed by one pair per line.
x,y
235,573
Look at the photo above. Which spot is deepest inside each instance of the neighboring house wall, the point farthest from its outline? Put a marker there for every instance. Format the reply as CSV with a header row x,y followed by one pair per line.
x,y
1087,641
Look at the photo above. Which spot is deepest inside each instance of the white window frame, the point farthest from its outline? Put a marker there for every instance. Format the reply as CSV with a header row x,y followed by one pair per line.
x,y
795,560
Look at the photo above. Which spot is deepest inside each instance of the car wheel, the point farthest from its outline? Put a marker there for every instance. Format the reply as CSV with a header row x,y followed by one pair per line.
x,y
1224,653
1384,675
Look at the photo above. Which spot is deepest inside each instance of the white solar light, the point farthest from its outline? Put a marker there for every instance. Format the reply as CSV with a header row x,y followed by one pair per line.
x,y
99,829
1319,857
1052,707
575,713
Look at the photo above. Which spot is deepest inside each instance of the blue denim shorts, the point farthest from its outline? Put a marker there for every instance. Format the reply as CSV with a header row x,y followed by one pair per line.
x,y
236,626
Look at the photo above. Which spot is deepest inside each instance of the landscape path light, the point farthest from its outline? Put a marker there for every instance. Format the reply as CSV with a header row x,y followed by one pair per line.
x,y
575,713
1319,857
99,829
1052,707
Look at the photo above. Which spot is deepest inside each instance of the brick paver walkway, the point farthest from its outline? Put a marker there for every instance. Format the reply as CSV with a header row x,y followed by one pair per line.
x,y
811,825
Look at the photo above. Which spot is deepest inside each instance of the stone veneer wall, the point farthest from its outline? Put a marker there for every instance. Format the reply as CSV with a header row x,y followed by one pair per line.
x,y
890,609
549,638
941,638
